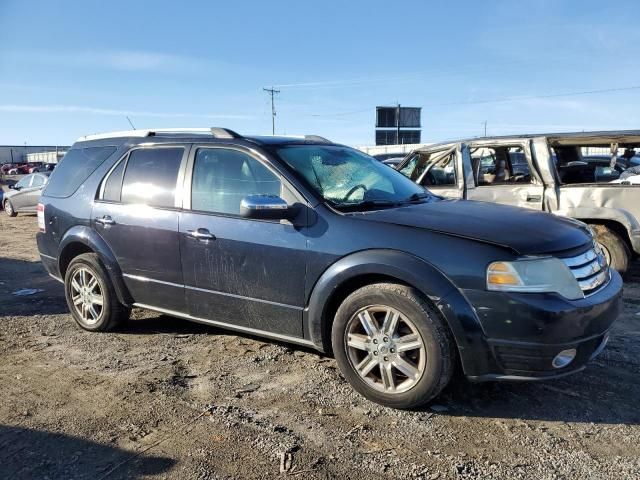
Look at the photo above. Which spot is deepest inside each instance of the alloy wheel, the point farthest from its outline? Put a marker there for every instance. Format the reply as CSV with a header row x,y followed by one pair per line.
x,y
385,348
8,208
86,295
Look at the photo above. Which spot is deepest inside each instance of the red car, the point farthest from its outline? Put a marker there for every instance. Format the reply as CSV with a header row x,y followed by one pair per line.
x,y
17,169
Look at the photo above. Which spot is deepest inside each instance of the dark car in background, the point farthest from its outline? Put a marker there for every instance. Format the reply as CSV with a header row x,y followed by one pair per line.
x,y
23,196
309,242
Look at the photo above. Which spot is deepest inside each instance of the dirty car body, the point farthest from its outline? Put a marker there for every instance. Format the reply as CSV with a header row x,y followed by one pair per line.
x,y
202,251
559,176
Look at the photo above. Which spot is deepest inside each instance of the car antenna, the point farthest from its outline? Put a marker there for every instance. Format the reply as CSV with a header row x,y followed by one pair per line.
x,y
130,123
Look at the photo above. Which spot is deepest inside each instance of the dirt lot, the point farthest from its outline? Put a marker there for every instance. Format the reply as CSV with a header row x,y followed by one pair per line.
x,y
167,398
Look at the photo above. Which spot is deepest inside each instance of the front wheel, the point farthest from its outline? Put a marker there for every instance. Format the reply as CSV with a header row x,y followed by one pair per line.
x,y
614,248
392,346
91,296
8,209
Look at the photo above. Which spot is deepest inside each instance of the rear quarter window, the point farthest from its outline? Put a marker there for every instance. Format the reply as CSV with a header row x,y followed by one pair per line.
x,y
75,168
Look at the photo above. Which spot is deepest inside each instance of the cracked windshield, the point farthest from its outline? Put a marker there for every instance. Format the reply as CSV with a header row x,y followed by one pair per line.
x,y
345,177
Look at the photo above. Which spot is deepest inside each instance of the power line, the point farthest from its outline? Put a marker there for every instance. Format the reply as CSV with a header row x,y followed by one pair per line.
x,y
272,92
496,100
534,97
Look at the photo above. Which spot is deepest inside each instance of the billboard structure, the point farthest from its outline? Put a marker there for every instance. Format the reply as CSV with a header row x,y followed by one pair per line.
x,y
398,125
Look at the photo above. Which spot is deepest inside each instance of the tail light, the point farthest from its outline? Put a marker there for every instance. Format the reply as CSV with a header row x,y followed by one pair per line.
x,y
41,224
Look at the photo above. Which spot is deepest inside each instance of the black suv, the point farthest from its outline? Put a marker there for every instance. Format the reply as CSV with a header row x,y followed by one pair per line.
x,y
309,242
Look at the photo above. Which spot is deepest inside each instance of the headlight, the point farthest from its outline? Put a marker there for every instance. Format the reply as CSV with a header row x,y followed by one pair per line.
x,y
534,275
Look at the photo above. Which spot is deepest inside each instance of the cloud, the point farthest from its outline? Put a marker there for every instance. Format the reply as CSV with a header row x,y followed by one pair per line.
x,y
115,112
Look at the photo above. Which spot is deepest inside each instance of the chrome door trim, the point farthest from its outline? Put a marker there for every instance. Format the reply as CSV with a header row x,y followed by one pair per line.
x,y
215,292
228,326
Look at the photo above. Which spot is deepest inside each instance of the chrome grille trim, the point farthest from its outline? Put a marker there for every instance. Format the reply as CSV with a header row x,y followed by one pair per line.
x,y
581,259
595,281
590,270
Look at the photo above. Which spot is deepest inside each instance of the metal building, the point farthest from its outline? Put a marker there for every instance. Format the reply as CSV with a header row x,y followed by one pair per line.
x,y
18,153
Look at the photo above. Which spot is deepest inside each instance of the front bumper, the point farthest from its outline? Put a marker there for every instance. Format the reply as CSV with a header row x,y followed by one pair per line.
x,y
523,333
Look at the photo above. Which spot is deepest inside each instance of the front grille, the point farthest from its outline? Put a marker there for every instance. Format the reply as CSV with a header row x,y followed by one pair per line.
x,y
590,269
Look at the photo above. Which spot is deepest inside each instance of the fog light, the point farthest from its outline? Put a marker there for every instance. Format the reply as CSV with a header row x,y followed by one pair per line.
x,y
564,358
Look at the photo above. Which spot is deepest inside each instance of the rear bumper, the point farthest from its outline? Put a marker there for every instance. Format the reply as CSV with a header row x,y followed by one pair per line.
x,y
50,265
521,334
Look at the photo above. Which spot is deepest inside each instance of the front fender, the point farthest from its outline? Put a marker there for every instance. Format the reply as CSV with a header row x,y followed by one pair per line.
x,y
408,269
91,239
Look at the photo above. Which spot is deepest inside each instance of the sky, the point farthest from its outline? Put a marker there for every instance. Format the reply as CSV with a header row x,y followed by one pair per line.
x,y
70,68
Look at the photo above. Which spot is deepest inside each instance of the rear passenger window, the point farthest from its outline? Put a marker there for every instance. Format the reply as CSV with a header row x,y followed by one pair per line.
x,y
223,177
113,183
151,176
74,168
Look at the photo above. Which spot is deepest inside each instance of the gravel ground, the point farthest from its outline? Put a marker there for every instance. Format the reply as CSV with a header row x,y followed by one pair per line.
x,y
166,398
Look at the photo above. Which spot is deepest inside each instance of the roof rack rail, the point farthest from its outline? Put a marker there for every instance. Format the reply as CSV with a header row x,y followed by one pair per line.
x,y
317,138
216,132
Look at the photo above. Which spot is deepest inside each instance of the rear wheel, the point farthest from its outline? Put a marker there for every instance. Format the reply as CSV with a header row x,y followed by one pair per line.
x,y
90,295
8,209
614,248
392,346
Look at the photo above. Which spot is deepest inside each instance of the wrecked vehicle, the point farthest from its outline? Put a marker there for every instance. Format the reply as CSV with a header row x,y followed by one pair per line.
x,y
309,242
589,176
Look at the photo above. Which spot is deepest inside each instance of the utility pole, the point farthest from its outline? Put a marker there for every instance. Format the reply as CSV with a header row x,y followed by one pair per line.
x,y
398,124
272,92
485,128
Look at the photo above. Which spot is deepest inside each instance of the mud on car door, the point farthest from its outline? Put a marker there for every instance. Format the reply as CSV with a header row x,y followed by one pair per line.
x,y
503,172
239,271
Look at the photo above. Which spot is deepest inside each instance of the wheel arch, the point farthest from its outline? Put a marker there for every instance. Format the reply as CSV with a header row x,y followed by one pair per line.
x,y
373,266
81,239
615,226
618,220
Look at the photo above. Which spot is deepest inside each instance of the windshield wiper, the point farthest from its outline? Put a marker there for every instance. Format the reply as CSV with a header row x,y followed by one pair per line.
x,y
416,197
367,204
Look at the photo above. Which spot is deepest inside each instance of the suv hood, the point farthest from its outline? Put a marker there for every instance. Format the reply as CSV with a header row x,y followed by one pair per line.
x,y
525,231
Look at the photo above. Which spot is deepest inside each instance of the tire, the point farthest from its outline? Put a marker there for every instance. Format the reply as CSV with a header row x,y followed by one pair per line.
x,y
614,247
8,209
79,286
416,322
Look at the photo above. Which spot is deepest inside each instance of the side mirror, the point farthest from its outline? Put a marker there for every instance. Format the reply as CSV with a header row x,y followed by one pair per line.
x,y
264,207
13,187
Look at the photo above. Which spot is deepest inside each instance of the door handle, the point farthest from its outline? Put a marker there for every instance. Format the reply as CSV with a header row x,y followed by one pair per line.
x,y
201,234
105,220
534,198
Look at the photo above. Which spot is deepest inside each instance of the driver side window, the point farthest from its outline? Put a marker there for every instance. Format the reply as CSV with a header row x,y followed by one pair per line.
x,y
432,169
223,177
25,182
499,165
440,170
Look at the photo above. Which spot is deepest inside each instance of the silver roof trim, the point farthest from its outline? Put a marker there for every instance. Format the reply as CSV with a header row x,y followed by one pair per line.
x,y
150,132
